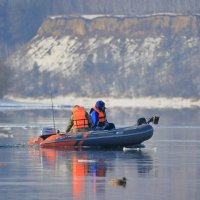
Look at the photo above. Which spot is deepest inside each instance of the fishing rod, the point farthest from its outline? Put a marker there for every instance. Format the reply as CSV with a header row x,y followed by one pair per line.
x,y
52,107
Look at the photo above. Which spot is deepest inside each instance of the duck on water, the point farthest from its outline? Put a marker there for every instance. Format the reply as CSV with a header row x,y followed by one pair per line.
x,y
119,182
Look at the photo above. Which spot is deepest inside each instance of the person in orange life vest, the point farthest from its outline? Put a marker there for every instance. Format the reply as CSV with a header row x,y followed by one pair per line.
x,y
79,121
99,117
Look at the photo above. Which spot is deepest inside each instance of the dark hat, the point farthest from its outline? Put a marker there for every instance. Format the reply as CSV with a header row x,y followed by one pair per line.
x,y
100,104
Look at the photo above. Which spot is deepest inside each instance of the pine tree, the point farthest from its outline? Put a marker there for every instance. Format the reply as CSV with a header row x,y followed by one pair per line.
x,y
5,77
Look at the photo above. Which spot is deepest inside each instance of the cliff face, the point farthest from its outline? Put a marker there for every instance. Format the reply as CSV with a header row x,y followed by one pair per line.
x,y
20,19
112,56
120,26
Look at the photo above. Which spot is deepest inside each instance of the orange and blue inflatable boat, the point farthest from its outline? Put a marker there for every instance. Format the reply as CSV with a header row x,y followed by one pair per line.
x,y
126,136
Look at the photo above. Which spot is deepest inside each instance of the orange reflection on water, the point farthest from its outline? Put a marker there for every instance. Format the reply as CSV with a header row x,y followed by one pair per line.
x,y
80,170
77,164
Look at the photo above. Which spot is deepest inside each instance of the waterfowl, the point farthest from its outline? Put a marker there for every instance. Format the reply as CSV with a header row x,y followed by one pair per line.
x,y
120,182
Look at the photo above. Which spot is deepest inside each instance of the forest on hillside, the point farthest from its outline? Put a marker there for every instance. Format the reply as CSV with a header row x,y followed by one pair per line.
x,y
5,78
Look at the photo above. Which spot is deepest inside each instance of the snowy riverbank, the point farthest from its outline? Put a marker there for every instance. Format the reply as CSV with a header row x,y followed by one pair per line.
x,y
68,102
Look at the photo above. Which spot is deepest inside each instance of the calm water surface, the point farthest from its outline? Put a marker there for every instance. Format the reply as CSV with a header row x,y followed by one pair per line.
x,y
168,168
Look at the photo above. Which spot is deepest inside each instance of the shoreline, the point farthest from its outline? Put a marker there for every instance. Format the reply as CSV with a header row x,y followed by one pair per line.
x,y
143,102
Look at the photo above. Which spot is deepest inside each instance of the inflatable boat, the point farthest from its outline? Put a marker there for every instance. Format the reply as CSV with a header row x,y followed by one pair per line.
x,y
126,136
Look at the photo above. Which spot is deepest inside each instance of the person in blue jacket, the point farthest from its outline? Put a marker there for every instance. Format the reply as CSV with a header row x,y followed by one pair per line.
x,y
99,119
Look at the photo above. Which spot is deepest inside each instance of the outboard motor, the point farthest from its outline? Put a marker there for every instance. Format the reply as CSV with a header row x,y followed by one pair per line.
x,y
48,131
141,121
153,119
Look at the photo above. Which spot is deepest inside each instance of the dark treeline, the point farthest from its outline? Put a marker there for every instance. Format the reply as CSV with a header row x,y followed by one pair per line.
x,y
20,19
5,78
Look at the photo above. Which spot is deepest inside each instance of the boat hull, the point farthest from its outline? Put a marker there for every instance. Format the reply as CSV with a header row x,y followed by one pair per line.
x,y
117,137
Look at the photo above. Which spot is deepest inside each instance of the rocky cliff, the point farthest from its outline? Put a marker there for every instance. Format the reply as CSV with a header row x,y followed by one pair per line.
x,y
155,55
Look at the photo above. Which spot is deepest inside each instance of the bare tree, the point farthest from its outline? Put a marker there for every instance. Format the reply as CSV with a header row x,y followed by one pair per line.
x,y
5,77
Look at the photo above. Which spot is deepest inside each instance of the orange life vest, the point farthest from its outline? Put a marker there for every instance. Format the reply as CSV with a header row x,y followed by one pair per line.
x,y
79,117
102,115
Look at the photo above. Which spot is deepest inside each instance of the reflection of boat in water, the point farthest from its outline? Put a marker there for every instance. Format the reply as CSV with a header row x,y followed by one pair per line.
x,y
85,167
90,169
93,162
55,157
117,137
70,162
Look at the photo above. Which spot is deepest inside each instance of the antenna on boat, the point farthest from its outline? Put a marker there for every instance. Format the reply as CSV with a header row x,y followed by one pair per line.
x,y
52,107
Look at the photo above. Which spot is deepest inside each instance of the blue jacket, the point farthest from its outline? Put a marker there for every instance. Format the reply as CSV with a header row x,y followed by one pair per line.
x,y
96,125
95,118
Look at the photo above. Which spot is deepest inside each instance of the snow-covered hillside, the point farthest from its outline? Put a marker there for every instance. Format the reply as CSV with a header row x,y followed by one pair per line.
x,y
111,56
69,55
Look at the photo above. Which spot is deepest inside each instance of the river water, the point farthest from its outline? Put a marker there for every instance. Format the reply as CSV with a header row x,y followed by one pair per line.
x,y
167,168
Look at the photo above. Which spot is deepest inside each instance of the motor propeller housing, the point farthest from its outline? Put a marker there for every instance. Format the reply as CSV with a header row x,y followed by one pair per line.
x,y
154,119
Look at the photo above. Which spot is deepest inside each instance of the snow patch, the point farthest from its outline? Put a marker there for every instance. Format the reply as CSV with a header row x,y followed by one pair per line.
x,y
143,103
149,46
191,42
53,54
91,17
3,135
